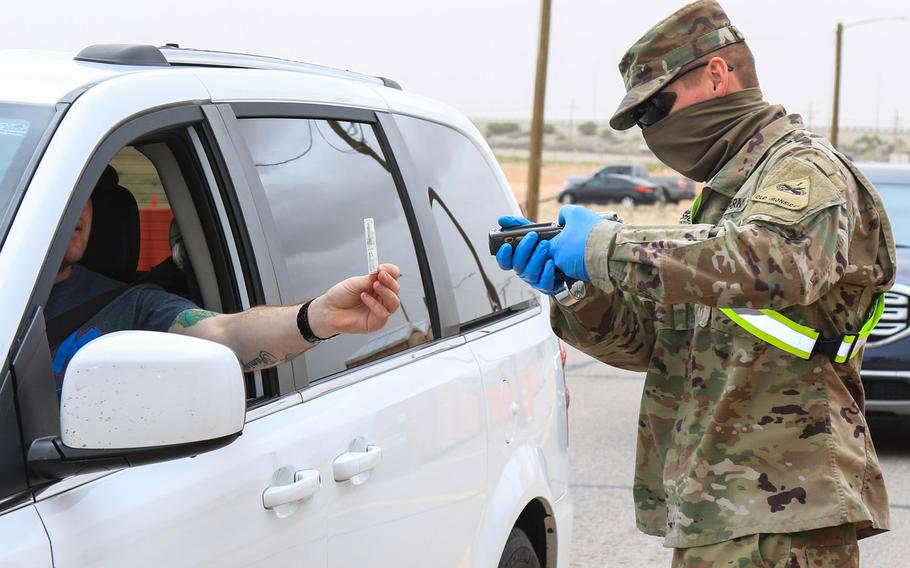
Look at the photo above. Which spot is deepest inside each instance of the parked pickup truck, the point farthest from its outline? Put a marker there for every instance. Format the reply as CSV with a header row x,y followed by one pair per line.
x,y
673,189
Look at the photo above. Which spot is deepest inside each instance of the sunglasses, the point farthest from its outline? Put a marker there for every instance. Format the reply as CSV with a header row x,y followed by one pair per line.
x,y
659,105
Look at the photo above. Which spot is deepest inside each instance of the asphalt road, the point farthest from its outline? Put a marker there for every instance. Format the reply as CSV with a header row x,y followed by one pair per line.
x,y
602,418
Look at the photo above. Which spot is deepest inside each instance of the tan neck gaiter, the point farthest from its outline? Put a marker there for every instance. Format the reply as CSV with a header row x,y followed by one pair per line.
x,y
699,139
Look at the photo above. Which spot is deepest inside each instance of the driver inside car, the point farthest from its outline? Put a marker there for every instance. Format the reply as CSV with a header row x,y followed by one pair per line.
x,y
261,337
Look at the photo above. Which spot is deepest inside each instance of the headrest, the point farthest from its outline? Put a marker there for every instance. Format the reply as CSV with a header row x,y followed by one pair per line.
x,y
113,245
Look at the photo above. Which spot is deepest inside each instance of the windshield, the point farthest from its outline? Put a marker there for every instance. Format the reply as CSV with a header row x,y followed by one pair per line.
x,y
21,127
897,203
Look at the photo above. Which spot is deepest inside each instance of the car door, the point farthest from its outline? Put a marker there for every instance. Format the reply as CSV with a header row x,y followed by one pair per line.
x,y
23,540
395,417
209,510
596,187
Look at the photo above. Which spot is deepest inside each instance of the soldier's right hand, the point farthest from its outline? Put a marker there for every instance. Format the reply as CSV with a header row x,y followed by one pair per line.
x,y
530,259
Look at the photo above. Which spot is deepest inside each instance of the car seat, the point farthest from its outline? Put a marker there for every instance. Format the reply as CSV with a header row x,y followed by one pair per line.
x,y
113,245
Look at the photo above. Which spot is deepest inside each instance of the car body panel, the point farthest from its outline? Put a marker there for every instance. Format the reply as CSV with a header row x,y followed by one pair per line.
x,y
528,431
23,540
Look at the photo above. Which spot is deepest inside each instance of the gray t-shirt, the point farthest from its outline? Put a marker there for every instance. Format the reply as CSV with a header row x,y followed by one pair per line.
x,y
143,307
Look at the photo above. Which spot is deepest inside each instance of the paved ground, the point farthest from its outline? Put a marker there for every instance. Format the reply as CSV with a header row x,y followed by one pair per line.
x,y
602,419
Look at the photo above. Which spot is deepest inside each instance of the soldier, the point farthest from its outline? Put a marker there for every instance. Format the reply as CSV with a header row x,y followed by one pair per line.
x,y
749,317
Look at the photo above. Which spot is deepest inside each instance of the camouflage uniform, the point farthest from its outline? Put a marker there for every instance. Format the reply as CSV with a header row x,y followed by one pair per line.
x,y
736,437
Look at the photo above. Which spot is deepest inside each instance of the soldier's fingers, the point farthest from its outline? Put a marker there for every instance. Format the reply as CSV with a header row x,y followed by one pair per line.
x,y
504,257
523,251
548,278
509,221
531,273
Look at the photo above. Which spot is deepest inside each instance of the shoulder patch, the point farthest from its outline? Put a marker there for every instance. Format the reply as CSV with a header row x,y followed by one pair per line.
x,y
791,194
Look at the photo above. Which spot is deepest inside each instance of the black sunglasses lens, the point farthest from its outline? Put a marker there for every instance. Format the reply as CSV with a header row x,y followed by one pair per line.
x,y
655,108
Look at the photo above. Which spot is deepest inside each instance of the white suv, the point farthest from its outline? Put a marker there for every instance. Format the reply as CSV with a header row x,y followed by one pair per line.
x,y
438,441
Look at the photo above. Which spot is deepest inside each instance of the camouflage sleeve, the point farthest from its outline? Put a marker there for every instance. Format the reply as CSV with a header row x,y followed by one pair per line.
x,y
616,328
789,248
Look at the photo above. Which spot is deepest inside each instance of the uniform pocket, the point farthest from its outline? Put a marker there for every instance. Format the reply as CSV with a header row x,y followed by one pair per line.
x,y
830,547
844,556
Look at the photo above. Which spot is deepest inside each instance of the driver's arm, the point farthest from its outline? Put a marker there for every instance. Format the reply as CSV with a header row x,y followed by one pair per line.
x,y
265,336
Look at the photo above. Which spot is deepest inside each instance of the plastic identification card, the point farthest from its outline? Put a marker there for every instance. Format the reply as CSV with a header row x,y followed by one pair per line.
x,y
369,233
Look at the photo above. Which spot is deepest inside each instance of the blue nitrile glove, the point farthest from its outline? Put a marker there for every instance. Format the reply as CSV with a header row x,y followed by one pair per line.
x,y
567,249
529,260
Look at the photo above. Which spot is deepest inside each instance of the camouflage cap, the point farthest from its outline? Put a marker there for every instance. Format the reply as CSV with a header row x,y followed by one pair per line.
x,y
664,50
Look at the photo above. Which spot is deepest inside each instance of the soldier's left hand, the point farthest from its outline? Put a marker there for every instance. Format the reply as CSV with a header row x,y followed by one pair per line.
x,y
567,249
530,259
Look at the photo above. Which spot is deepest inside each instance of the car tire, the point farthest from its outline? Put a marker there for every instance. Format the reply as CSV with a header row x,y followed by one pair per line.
x,y
663,197
519,552
567,198
627,202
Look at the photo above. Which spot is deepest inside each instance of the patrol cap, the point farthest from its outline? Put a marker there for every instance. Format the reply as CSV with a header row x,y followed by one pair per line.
x,y
662,53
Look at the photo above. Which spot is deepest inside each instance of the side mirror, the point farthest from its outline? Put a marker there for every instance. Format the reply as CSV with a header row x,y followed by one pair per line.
x,y
137,397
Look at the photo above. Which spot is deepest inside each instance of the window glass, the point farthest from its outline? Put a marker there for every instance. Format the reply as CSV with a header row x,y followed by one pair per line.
x,y
467,198
322,178
21,127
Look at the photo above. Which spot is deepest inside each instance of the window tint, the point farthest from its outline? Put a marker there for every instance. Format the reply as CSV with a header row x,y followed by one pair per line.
x,y
466,198
322,178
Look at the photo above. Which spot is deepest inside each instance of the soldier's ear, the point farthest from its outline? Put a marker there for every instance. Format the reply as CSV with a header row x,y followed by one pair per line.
x,y
719,75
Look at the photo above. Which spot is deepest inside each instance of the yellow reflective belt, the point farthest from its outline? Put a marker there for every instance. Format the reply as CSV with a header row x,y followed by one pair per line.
x,y
799,340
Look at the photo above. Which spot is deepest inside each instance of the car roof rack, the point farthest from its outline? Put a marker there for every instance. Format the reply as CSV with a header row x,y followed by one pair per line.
x,y
123,54
171,54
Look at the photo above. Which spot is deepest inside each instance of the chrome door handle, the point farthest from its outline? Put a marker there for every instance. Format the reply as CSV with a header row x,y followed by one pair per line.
x,y
349,464
306,483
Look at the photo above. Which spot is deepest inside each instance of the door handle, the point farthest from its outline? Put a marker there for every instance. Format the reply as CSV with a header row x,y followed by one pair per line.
x,y
349,464
306,483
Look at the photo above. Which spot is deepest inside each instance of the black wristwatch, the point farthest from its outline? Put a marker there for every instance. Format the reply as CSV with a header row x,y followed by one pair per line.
x,y
303,324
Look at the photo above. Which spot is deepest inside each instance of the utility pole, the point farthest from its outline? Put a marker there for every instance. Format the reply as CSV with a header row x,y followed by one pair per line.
x,y
835,115
540,87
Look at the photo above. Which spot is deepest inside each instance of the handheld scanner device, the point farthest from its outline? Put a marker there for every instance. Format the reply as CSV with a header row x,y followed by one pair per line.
x,y
545,231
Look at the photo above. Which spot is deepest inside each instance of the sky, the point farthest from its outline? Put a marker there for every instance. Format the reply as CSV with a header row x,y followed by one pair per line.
x,y
479,55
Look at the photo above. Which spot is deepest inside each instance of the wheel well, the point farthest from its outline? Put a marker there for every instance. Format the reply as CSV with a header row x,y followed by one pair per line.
x,y
538,523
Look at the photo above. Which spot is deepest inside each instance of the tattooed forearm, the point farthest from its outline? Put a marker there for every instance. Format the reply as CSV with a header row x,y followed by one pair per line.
x,y
261,361
189,318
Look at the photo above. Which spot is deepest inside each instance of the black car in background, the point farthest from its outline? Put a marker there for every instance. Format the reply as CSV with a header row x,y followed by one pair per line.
x,y
886,362
612,188
579,189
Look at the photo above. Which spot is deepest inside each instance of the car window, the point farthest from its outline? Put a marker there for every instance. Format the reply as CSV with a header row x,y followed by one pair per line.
x,y
466,198
322,179
21,127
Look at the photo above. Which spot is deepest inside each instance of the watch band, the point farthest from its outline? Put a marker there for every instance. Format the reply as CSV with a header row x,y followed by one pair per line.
x,y
303,325
570,295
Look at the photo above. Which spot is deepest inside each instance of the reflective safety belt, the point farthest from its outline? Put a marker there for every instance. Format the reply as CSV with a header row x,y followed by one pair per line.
x,y
801,341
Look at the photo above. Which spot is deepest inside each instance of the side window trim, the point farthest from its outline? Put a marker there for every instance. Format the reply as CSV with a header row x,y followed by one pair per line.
x,y
249,196
433,249
416,234
229,237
